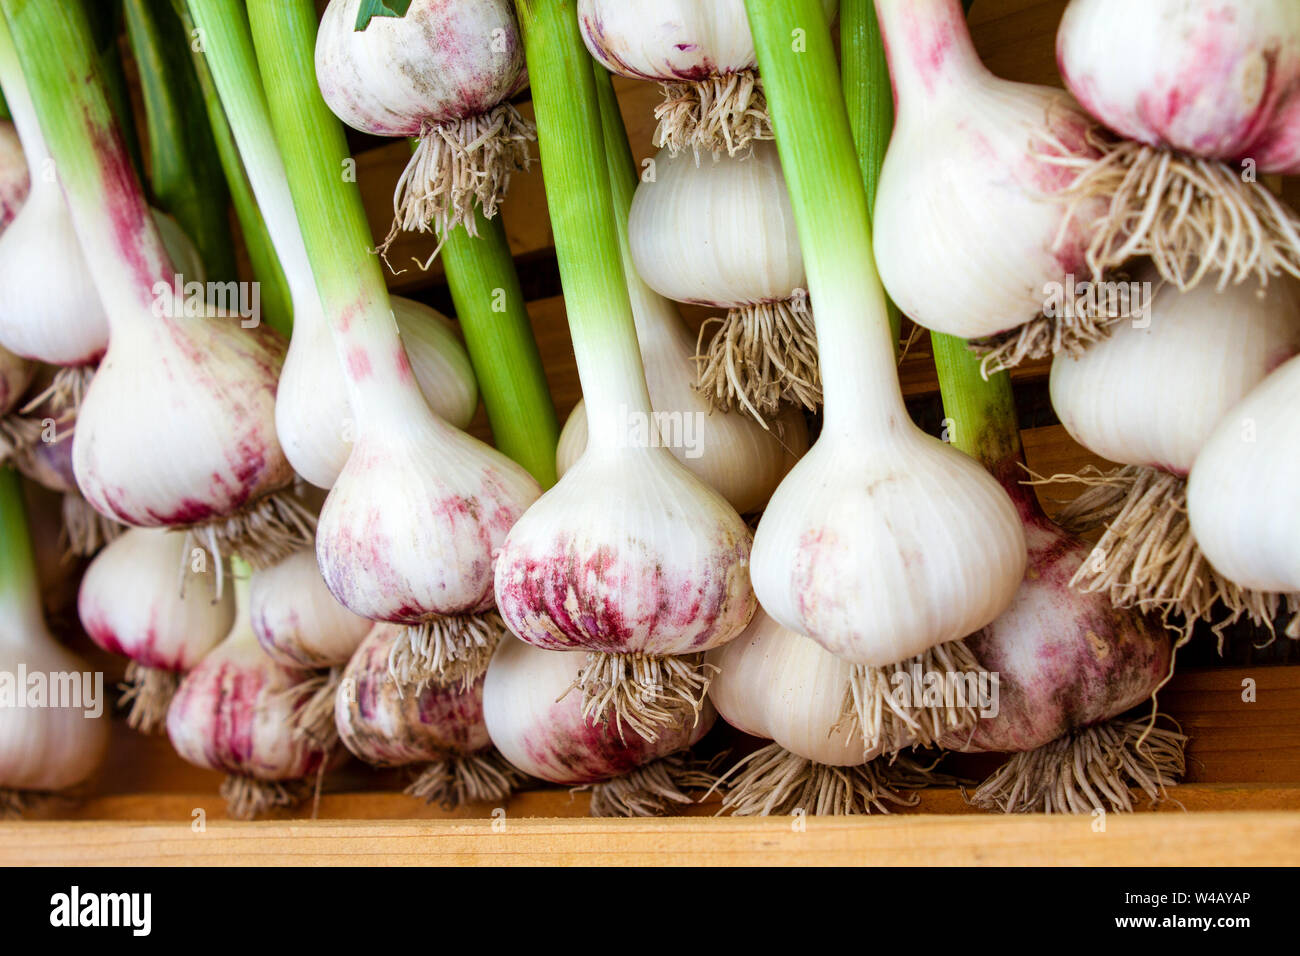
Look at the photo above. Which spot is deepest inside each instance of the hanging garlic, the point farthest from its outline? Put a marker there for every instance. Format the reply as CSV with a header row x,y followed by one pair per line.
x,y
442,72
313,417
1241,493
971,235
721,233
234,713
541,729
1209,98
1148,398
132,604
440,728
14,179
703,57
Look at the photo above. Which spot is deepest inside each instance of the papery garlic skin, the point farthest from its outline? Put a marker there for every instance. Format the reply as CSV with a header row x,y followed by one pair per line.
x,y
1064,660
719,233
443,60
412,525
967,233
296,619
1220,81
1241,494
387,727
628,554
14,178
314,419
1152,392
132,603
882,547
208,450
671,39
541,731
777,684
232,714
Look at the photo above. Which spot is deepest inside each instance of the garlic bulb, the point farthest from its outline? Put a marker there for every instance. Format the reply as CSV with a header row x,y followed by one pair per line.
x,y
233,713
14,178
439,726
132,604
722,234
1209,96
313,417
1152,392
48,741
1241,492
542,731
296,619
702,54
728,451
443,72
969,189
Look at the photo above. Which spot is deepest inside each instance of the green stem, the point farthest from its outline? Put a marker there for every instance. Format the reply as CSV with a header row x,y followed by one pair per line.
x,y
25,120
331,217
869,99
184,168
583,218
511,378
117,234
105,21
856,344
276,301
20,599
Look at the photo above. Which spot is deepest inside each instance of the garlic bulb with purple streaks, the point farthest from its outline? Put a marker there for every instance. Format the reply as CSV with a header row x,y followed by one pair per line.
x,y
296,619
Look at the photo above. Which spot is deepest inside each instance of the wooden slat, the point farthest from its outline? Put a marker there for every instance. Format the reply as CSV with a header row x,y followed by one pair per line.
x,y
1162,839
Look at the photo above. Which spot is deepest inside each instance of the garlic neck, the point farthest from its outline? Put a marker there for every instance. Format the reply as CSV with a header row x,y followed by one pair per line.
x,y
21,108
613,385
929,49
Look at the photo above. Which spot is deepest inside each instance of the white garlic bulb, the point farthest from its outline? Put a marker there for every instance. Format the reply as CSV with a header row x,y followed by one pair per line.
x,y
1152,392
296,619
14,178
1241,495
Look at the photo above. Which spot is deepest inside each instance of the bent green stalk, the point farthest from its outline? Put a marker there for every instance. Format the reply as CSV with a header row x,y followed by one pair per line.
x,y
499,336
277,306
583,217
185,175
20,602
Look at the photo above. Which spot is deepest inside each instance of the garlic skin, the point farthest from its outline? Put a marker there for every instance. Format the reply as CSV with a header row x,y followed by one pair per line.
x,y
1151,395
548,737
962,194
215,450
15,375
314,419
718,233
388,728
1220,82
382,80
297,621
411,527
132,604
628,554
879,546
45,748
671,39
1241,493
1065,660
14,178
780,685
232,714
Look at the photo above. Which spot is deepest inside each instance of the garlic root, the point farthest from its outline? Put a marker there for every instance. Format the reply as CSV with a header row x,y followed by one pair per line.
x,y
264,533
652,790
313,721
446,651
477,778
248,799
1088,770
644,693
1043,338
1192,217
727,112
777,782
888,724
148,691
85,528
759,356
